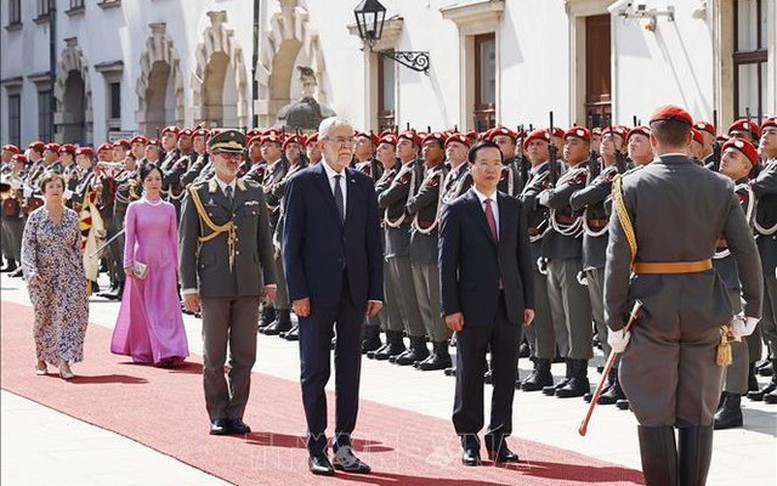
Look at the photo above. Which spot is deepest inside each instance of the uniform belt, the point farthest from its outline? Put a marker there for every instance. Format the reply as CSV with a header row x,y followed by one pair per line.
x,y
643,268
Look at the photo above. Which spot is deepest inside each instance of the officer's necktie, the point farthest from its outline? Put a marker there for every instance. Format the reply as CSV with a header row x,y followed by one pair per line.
x,y
339,198
228,193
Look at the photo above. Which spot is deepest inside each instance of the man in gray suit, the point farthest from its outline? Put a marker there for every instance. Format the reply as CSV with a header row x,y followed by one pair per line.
x,y
666,221
226,267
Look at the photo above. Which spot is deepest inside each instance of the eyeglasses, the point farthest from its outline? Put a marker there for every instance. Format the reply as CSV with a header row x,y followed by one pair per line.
x,y
341,140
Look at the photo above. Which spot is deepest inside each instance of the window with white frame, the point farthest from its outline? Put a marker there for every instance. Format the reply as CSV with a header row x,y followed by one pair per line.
x,y
751,38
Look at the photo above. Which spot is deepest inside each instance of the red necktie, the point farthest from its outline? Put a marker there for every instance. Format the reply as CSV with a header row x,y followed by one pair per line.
x,y
491,220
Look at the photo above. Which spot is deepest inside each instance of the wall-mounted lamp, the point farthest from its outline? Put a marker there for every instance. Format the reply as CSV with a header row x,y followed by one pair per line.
x,y
628,10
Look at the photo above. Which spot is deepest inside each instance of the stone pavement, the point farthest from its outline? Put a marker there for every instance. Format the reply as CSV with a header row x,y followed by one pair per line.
x,y
78,453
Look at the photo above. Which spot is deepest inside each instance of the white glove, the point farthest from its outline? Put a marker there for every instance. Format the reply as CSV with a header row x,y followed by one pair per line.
x,y
27,191
742,326
618,339
67,194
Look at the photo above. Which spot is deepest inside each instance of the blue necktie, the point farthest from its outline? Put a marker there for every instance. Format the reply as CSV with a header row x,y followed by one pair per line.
x,y
339,198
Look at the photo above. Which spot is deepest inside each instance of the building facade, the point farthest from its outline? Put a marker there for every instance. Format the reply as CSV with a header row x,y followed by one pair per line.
x,y
92,70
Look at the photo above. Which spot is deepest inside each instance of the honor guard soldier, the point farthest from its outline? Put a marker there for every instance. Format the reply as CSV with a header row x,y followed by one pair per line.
x,y
765,189
744,128
457,180
397,221
296,162
424,207
569,301
257,166
738,162
543,335
391,316
591,200
364,155
272,153
312,150
226,267
666,221
13,218
510,182
170,148
708,134
138,146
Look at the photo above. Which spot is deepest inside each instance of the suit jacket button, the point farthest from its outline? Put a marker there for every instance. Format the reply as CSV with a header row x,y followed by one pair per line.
x,y
237,252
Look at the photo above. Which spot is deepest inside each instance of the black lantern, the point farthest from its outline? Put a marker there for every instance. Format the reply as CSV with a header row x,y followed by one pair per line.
x,y
370,16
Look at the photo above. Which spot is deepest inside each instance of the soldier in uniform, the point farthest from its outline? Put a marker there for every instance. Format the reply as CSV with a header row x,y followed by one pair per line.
x,y
591,200
257,165
424,206
272,153
397,221
738,162
510,182
7,166
569,301
765,189
670,371
312,150
13,219
292,152
542,336
105,152
138,146
747,129
707,131
226,267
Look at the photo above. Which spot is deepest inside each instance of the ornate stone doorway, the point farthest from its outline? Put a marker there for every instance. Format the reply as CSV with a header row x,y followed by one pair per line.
x,y
160,84
73,118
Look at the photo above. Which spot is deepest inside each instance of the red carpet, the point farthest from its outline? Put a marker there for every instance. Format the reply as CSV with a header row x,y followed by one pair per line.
x,y
165,410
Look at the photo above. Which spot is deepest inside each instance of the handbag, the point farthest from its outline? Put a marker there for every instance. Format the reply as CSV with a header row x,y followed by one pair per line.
x,y
139,270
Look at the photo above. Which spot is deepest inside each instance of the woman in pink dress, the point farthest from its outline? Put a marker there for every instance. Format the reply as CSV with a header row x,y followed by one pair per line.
x,y
150,324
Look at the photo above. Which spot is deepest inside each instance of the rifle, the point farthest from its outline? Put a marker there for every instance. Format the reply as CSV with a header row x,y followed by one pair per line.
x,y
715,144
523,163
749,125
593,164
553,174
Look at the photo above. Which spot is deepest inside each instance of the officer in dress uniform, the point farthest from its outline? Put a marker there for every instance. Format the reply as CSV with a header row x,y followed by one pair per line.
x,y
591,200
569,301
738,162
226,267
424,207
670,370
397,221
765,189
542,336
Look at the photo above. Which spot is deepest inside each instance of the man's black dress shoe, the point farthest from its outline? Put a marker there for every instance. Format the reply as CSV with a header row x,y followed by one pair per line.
x,y
320,465
470,456
237,426
345,460
219,426
503,455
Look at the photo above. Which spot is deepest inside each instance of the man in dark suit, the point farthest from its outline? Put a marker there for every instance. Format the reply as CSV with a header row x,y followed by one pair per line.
x,y
487,292
226,267
334,269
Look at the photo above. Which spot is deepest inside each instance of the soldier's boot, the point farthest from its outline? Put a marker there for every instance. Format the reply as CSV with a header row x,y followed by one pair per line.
x,y
730,414
16,273
760,394
394,346
550,390
371,339
10,266
771,397
614,392
658,451
695,452
523,350
267,317
281,324
417,352
622,404
292,334
450,371
578,384
540,377
765,367
440,359
115,293
752,378
607,385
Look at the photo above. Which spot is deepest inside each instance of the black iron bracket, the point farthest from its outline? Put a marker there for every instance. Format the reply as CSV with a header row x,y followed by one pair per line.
x,y
415,60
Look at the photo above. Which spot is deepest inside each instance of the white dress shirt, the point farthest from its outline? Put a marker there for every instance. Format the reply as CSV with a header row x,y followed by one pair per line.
x,y
494,206
330,175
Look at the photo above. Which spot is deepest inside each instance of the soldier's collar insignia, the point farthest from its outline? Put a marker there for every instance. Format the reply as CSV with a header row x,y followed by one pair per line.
x,y
241,184
212,186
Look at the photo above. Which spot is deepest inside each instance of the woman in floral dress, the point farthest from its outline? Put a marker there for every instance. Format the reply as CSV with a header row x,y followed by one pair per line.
x,y
54,270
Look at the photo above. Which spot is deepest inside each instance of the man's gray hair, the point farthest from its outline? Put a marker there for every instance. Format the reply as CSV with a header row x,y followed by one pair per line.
x,y
329,124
